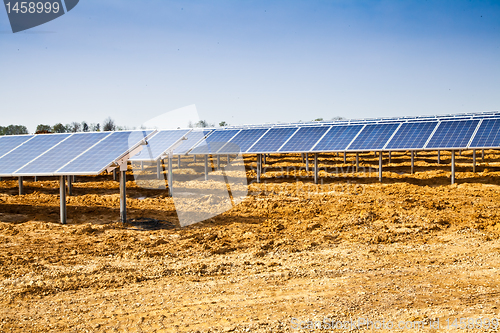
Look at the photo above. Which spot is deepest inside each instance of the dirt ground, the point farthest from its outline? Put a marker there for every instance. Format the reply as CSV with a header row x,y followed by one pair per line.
x,y
410,249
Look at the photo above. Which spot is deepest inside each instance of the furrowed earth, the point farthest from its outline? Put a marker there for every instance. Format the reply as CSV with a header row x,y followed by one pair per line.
x,y
413,249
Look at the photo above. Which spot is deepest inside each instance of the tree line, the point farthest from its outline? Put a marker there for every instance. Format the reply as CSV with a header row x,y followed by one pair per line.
x,y
108,125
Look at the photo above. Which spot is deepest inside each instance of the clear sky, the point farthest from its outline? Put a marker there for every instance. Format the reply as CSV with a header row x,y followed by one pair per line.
x,y
252,61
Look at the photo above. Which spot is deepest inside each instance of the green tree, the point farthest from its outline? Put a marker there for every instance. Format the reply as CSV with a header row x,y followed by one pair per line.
x,y
59,128
41,128
318,119
13,130
223,123
85,126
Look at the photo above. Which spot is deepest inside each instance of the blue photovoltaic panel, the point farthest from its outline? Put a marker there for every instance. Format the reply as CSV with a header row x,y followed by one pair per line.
x,y
272,140
373,137
214,142
158,144
337,138
9,142
304,139
99,157
31,149
488,134
61,154
453,134
242,141
192,138
412,135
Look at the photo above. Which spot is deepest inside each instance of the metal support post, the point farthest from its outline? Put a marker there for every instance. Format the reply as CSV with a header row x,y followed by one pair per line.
x,y
62,198
218,162
482,154
452,167
21,186
142,166
206,167
228,159
307,162
194,158
114,174
159,168
259,161
70,185
170,175
439,156
474,160
315,168
36,178
302,156
460,152
390,157
265,159
74,178
412,162
123,196
380,166
345,157
357,162
178,161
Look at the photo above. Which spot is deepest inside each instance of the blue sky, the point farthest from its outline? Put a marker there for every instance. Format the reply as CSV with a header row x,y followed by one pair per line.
x,y
252,61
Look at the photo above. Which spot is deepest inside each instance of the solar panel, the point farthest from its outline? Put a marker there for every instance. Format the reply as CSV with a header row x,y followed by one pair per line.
x,y
488,135
23,154
412,135
215,141
272,140
192,139
304,139
9,142
337,138
242,141
100,156
64,152
453,134
373,137
159,144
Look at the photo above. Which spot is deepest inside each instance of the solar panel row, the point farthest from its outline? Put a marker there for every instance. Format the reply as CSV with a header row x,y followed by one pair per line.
x,y
65,154
418,135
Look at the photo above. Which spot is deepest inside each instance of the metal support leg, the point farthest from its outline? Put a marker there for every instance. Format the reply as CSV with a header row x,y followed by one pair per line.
x,y
21,187
178,161
307,162
302,156
390,157
345,157
114,174
142,166
62,198
218,162
259,162
412,162
460,152
380,166
357,162
315,168
474,160
170,176
439,157
452,167
206,167
123,196
70,185
194,158
159,169
36,178
482,154
265,159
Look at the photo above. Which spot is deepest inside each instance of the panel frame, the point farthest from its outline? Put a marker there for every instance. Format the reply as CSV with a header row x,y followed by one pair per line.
x,y
164,152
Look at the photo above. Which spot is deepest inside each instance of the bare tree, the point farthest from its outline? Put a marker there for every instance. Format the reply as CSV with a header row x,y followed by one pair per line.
x,y
74,127
85,126
109,125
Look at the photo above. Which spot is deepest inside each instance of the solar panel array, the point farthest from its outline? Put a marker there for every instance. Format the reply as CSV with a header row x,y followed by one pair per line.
x,y
92,153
